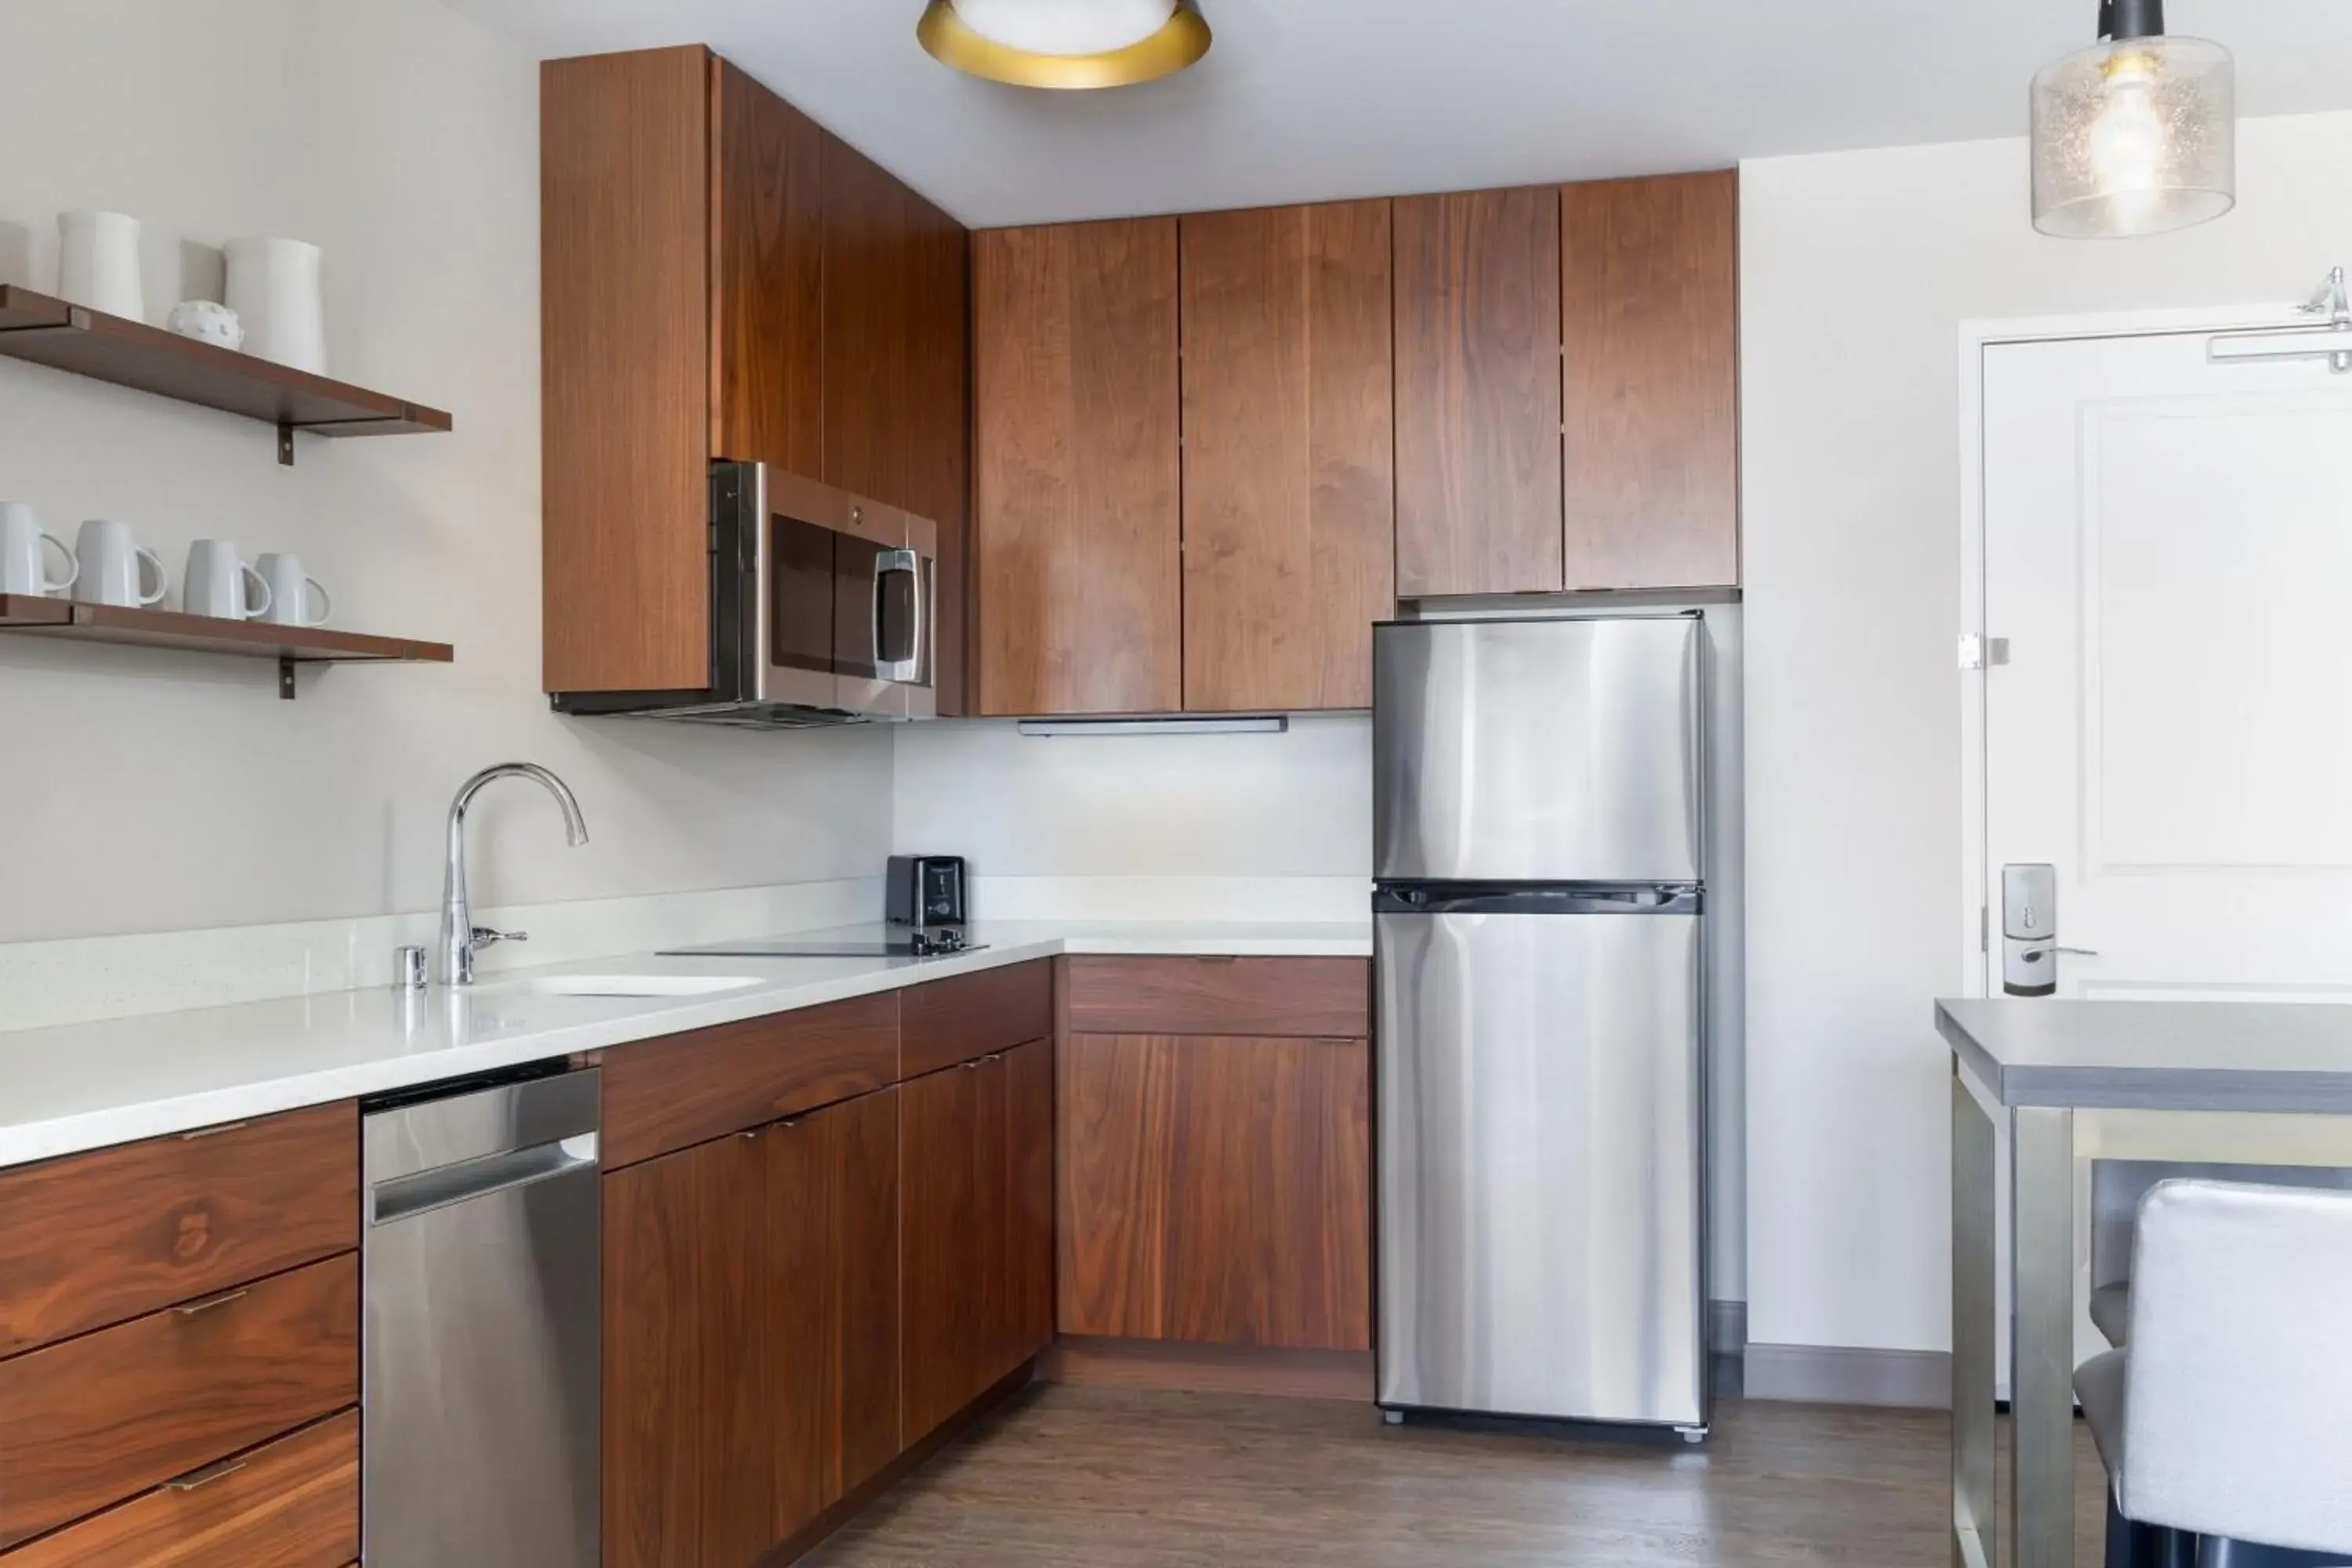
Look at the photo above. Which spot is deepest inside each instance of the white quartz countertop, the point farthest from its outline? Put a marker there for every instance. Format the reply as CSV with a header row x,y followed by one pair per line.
x,y
86,1086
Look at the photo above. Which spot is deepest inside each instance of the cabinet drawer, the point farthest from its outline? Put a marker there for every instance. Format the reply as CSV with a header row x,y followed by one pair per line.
x,y
100,1238
293,1503
951,1021
1296,996
665,1094
97,1419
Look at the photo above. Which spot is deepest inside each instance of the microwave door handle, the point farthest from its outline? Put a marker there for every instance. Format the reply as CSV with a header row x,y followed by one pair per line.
x,y
886,564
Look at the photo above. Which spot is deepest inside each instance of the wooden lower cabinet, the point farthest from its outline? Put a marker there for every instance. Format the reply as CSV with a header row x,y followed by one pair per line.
x,y
94,1420
292,1503
1216,1190
751,1334
976,1228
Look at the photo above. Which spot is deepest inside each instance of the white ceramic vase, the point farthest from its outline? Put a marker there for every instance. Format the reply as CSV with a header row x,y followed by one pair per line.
x,y
273,287
98,263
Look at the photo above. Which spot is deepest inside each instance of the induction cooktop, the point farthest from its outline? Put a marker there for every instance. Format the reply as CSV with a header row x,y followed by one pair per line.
x,y
936,943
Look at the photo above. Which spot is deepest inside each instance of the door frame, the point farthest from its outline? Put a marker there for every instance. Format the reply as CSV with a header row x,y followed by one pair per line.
x,y
1972,919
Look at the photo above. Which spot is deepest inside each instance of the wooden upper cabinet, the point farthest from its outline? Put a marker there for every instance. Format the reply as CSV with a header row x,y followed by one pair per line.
x,y
1650,303
624,351
723,280
1077,531
870,277
1289,492
896,412
1478,393
767,368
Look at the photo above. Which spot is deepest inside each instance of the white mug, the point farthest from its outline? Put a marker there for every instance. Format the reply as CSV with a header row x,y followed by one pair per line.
x,y
273,287
291,592
98,263
22,569
112,563
216,581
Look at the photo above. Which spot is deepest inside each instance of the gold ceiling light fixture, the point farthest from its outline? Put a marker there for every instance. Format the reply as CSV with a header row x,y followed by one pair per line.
x,y
1069,44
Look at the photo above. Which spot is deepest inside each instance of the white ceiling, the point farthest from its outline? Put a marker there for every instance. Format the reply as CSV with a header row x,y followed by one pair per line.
x,y
1303,100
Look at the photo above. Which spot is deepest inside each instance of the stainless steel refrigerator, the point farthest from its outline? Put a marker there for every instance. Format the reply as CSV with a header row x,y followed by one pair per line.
x,y
1538,904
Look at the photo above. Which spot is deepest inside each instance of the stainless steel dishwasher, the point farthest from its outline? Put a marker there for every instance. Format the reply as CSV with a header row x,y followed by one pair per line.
x,y
480,1347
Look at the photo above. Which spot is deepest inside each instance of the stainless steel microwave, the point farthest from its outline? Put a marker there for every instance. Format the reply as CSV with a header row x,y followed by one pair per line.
x,y
823,611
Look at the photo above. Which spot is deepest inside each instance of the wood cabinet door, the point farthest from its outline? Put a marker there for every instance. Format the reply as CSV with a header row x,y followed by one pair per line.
x,y
751,1334
853,1183
1077,530
1478,393
869,284
1026,1324
1650,301
1217,1190
938,431
897,425
689,1475
942,1204
624,351
768,269
1289,471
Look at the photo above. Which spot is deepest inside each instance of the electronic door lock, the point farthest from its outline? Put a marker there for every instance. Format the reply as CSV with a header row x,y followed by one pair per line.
x,y
2029,931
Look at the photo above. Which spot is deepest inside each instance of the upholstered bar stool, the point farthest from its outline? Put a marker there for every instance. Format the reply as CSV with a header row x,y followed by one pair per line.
x,y
2226,1426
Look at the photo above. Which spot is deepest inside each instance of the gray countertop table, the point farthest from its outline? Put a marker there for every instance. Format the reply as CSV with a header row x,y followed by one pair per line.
x,y
2066,1083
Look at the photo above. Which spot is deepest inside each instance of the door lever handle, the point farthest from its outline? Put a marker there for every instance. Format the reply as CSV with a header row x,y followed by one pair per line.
x,y
2078,951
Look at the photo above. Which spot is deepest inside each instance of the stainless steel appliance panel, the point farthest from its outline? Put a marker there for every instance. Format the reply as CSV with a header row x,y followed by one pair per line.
x,y
1540,1093
1537,751
480,1347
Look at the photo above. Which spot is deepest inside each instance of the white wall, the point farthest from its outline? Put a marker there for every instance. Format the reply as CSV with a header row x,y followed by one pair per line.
x,y
1857,269
147,791
1293,805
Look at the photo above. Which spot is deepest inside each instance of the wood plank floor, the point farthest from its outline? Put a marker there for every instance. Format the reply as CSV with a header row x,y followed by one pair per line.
x,y
1115,1478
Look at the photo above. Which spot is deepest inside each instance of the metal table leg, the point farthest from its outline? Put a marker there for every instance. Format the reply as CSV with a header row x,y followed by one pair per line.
x,y
1975,1378
2042,1363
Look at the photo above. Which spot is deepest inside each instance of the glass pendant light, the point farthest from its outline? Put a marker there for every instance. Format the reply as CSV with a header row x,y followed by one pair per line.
x,y
2137,135
1064,43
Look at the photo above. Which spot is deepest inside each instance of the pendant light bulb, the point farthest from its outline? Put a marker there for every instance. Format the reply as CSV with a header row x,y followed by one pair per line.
x,y
2135,135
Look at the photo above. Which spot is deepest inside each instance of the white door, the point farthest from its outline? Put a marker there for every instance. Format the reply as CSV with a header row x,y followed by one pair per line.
x,y
2168,553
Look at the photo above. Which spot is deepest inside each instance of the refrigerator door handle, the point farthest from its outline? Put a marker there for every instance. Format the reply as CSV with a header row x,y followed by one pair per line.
x,y
1597,899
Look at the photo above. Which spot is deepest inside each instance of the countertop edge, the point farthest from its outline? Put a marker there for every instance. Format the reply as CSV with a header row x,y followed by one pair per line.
x,y
134,1120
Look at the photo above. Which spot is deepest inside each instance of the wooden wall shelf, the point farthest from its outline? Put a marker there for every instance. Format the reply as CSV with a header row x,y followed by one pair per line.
x,y
52,331
290,645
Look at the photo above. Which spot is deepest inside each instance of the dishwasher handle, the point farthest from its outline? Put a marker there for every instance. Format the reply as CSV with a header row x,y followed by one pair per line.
x,y
402,1196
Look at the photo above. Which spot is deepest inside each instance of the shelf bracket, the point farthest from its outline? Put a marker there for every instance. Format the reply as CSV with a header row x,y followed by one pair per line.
x,y
285,444
286,678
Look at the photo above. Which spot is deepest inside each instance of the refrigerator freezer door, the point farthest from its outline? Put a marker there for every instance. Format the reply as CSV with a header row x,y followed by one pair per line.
x,y
1537,751
1540,1211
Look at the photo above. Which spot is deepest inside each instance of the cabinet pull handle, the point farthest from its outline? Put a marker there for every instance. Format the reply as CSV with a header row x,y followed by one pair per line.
x,y
208,1303
213,1131
206,1476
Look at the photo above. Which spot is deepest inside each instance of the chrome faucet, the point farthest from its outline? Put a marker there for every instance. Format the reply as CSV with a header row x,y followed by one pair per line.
x,y
460,937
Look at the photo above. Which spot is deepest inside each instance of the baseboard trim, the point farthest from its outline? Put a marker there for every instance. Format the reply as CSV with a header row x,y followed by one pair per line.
x,y
1207,1369
1838,1375
1727,1328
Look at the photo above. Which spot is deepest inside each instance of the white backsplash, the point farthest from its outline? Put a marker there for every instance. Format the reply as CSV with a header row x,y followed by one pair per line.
x,y
81,979
1244,899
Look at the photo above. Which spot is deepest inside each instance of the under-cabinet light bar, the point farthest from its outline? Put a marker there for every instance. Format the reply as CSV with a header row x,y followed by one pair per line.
x,y
1263,724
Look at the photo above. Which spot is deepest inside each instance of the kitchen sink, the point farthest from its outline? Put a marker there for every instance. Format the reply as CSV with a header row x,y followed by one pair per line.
x,y
626,984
